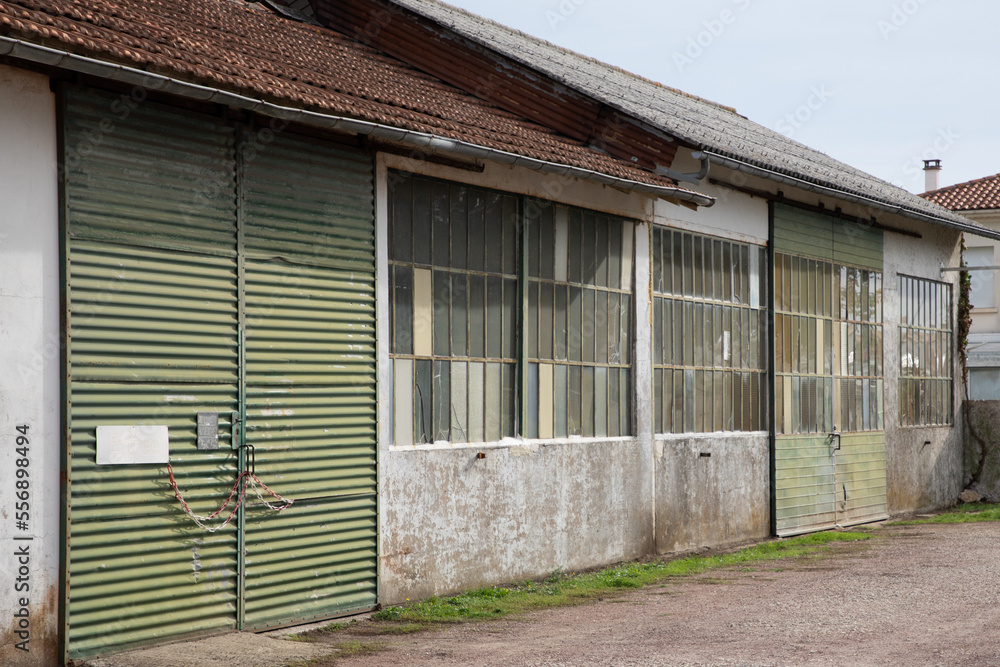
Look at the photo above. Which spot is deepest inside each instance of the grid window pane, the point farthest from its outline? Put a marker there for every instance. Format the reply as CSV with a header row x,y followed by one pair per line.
x,y
925,343
459,309
707,335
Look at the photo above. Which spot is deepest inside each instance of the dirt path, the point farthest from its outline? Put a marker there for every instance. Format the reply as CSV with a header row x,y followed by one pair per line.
x,y
923,595
929,595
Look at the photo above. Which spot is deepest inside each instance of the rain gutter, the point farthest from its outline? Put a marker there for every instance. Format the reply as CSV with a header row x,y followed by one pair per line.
x,y
754,170
62,59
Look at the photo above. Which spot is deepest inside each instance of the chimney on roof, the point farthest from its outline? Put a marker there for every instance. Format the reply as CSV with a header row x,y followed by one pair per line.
x,y
932,173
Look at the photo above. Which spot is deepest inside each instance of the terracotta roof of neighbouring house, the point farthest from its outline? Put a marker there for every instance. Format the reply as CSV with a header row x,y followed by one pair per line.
x,y
979,195
696,122
248,49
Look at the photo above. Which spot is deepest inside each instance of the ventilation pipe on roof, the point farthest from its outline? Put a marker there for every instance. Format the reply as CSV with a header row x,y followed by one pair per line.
x,y
932,175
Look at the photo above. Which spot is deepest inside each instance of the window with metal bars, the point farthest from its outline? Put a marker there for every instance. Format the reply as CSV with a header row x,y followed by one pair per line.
x,y
925,345
709,334
484,346
828,347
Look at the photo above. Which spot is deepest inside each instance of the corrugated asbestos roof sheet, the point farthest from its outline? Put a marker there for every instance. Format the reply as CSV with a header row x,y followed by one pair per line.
x,y
979,195
697,122
248,49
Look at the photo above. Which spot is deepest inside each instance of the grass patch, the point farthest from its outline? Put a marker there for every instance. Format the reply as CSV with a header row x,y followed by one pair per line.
x,y
965,513
561,589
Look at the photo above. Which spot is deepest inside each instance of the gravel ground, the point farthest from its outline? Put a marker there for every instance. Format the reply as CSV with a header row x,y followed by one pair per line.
x,y
923,595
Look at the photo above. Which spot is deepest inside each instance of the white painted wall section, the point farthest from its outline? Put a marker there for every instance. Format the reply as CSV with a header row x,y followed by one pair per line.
x,y
30,371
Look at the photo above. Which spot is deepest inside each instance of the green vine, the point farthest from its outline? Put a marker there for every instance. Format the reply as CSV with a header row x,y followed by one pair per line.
x,y
962,331
964,316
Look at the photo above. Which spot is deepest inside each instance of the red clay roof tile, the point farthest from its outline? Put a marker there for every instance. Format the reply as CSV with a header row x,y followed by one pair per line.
x,y
245,48
978,195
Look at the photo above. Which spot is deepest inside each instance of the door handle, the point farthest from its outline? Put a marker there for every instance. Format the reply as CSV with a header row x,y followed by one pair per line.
x,y
236,432
835,437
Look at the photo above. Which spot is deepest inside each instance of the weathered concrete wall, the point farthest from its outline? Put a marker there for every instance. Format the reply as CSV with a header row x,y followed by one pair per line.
x,y
711,490
985,421
30,372
455,521
923,465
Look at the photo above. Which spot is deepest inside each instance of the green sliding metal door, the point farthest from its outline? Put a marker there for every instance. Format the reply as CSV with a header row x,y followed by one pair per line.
x,y
202,277
829,450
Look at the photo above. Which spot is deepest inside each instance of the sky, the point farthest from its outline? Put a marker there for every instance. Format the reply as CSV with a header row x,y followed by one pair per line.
x,y
878,84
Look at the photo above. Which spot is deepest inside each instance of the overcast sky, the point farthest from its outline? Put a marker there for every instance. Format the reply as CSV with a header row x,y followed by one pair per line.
x,y
879,84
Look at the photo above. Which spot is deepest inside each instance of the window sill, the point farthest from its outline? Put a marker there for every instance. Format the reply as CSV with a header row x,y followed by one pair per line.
x,y
511,443
984,311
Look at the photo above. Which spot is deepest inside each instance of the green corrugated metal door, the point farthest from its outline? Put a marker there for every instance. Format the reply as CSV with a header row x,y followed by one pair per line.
x,y
829,431
153,321
197,286
310,360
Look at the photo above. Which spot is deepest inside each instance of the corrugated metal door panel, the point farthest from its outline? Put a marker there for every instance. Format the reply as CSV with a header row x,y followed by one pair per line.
x,y
309,325
152,315
310,374
861,478
320,559
291,190
857,245
797,232
148,175
153,303
130,542
804,481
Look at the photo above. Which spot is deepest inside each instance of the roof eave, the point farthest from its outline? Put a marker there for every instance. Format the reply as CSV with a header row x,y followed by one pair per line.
x,y
969,227
62,59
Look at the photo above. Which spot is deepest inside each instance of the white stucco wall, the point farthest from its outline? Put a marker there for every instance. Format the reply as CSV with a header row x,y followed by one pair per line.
x,y
29,369
923,464
450,520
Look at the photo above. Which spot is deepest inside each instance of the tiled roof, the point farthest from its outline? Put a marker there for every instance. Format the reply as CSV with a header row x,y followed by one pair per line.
x,y
978,195
697,122
249,49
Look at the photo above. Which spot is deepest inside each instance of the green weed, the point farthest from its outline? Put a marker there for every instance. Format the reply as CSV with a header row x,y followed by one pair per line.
x,y
561,588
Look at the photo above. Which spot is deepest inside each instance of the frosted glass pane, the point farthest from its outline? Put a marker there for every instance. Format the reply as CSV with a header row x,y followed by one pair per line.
x,y
477,379
494,401
531,407
602,404
442,401
459,401
575,401
559,393
601,326
546,421
423,371
532,313
587,406
459,227
545,322
442,314
560,315
460,316
494,312
441,223
561,242
614,253
403,396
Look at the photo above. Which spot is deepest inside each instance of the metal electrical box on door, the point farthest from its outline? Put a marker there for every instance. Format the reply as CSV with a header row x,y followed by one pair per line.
x,y
208,430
